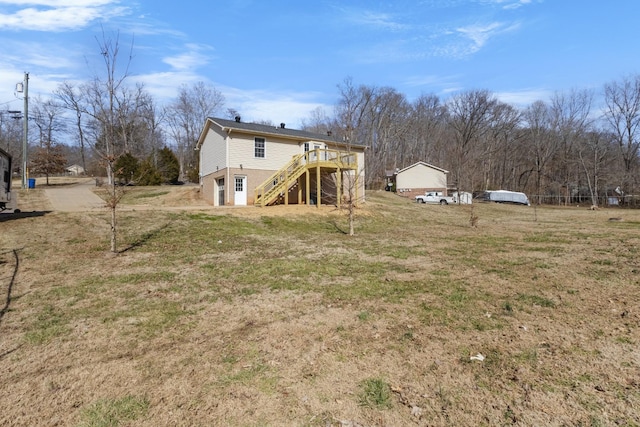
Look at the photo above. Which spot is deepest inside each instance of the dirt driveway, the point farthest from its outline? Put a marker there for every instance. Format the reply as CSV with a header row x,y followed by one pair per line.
x,y
76,197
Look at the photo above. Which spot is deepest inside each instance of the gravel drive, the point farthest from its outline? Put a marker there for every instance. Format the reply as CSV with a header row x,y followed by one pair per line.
x,y
74,198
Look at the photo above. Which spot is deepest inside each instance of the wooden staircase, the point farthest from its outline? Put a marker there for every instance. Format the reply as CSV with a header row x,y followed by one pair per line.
x,y
280,182
276,188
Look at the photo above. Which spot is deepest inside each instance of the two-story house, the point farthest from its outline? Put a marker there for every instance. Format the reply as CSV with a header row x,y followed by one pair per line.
x,y
248,163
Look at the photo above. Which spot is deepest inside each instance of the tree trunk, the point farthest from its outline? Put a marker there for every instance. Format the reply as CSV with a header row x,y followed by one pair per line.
x,y
112,206
352,230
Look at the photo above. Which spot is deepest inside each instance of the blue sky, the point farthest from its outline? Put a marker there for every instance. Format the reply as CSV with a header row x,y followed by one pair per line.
x,y
278,60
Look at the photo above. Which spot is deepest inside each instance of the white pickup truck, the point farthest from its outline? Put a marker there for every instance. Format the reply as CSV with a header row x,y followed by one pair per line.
x,y
434,197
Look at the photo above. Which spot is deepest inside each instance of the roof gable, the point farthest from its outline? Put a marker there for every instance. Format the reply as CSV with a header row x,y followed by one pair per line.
x,y
423,164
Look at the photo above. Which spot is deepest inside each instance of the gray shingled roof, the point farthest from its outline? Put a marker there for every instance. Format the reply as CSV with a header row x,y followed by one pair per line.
x,y
277,130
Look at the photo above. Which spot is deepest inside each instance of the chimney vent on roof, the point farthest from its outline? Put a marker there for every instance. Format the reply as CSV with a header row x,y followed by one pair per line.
x,y
281,125
237,119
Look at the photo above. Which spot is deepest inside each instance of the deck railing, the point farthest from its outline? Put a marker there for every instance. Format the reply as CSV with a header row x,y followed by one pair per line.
x,y
282,180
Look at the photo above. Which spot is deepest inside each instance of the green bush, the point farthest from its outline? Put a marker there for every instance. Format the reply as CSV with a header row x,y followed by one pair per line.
x,y
126,168
148,174
168,166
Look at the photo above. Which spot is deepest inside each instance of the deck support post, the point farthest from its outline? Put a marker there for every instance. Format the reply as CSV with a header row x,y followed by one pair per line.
x,y
318,187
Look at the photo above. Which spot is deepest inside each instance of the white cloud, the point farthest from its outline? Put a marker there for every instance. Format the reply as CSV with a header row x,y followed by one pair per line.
x,y
164,85
510,4
58,3
434,41
60,15
479,34
369,18
47,64
442,85
428,80
379,20
40,84
38,56
388,51
278,107
516,5
525,97
193,57
452,89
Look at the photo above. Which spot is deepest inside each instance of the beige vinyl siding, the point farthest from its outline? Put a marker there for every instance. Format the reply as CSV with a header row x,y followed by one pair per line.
x,y
360,156
421,176
277,152
361,180
213,152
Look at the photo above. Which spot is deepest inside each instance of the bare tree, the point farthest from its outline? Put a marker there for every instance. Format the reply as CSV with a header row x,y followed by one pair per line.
x,y
185,118
352,108
151,133
379,118
49,158
622,113
389,120
349,120
541,144
351,181
232,113
593,152
106,98
498,146
570,119
72,98
470,116
424,141
318,122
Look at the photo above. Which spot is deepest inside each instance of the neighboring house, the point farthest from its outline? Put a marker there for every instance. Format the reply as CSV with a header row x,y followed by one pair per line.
x,y
74,170
420,178
248,163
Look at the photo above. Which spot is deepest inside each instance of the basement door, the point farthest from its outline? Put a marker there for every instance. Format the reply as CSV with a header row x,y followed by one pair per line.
x,y
240,198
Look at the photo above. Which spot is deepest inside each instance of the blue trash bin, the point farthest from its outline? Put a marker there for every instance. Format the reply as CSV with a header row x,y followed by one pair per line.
x,y
32,183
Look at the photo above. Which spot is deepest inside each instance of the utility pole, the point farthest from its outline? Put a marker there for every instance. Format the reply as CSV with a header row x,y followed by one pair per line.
x,y
25,141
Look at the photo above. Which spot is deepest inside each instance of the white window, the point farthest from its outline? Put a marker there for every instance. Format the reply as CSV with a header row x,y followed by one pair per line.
x,y
259,147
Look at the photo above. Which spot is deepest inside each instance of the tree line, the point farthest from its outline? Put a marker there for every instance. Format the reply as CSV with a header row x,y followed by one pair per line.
x,y
563,148
559,150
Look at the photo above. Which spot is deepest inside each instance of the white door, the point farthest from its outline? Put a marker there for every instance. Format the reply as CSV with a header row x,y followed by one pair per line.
x,y
240,198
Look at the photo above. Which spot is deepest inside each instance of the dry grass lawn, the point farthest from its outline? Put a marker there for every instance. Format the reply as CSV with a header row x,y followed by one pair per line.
x,y
275,317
